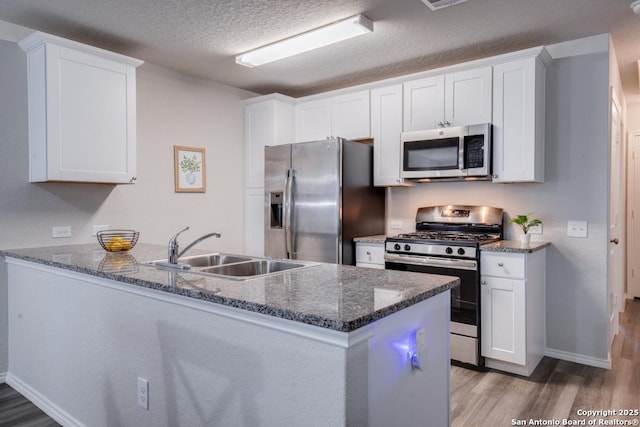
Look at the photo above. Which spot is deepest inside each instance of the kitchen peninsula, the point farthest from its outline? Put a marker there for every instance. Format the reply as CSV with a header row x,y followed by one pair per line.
x,y
325,345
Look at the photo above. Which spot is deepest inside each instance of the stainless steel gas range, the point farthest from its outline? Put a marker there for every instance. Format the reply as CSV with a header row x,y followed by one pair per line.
x,y
447,241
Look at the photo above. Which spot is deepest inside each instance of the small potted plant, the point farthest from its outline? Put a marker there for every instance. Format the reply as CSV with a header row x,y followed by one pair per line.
x,y
525,222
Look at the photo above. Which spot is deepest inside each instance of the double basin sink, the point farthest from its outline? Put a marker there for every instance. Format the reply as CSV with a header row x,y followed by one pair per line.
x,y
236,267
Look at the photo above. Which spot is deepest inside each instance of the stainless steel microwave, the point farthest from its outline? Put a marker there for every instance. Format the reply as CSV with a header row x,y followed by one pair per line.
x,y
452,152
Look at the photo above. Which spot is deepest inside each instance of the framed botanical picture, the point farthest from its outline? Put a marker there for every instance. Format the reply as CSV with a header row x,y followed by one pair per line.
x,y
189,169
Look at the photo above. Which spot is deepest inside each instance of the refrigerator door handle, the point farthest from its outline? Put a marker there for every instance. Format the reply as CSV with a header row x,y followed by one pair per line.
x,y
292,215
288,214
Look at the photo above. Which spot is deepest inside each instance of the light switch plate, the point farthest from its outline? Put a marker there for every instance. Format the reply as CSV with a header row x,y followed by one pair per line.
x,y
577,229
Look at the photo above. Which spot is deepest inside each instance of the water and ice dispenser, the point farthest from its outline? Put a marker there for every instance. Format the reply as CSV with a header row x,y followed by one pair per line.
x,y
277,213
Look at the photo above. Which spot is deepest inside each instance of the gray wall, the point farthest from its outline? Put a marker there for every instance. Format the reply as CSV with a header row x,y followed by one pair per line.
x,y
575,188
173,109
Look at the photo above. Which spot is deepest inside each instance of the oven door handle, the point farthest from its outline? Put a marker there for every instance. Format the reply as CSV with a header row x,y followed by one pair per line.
x,y
427,261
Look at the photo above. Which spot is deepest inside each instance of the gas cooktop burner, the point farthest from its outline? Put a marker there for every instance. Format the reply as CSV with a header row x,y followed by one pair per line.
x,y
446,237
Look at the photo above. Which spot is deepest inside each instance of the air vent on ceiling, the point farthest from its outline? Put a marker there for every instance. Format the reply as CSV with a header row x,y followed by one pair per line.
x,y
439,4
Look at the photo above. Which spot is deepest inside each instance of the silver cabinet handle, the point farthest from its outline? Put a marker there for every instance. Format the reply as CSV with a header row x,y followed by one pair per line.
x,y
483,282
440,124
500,264
368,252
446,123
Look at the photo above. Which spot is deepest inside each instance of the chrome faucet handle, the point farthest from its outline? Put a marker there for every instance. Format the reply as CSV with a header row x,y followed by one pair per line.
x,y
173,247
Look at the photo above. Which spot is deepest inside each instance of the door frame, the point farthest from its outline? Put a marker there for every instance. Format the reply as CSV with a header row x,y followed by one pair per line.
x,y
616,239
633,205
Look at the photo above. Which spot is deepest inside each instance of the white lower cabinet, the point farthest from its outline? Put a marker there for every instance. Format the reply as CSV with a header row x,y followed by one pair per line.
x,y
513,310
370,255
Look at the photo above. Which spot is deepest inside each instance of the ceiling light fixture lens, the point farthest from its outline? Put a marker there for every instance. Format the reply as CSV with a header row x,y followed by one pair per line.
x,y
323,36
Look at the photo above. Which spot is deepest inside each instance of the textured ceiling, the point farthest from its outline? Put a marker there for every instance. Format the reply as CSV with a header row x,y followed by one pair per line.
x,y
201,37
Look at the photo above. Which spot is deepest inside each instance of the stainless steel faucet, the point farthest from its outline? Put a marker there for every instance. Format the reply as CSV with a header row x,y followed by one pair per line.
x,y
173,251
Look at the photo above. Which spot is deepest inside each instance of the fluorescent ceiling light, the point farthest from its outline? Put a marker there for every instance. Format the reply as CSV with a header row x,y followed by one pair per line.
x,y
323,36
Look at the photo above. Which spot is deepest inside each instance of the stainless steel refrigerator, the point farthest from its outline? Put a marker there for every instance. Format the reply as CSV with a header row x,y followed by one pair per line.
x,y
319,196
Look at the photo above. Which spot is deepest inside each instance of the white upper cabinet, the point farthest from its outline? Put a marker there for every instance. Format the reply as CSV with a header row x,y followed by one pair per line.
x,y
518,120
313,120
386,127
454,99
268,121
82,112
345,116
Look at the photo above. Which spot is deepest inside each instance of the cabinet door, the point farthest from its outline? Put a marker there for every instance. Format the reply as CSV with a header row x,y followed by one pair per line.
x,y
254,200
386,127
259,122
313,120
90,109
518,122
350,116
266,123
503,313
424,103
468,97
370,254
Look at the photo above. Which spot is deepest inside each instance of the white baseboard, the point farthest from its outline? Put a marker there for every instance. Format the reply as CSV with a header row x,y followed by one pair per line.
x,y
3,377
48,407
578,358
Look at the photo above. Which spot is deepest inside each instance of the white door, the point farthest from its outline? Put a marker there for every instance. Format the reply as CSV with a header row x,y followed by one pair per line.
x,y
616,220
633,202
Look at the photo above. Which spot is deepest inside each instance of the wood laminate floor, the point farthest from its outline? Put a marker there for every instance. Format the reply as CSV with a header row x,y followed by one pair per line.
x,y
555,391
17,411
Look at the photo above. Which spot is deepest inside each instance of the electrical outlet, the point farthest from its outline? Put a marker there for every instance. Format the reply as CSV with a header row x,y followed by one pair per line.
x,y
536,230
396,224
577,229
143,393
61,232
96,228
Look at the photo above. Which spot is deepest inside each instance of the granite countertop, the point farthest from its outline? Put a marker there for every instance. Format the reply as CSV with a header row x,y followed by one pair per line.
x,y
338,297
514,246
380,238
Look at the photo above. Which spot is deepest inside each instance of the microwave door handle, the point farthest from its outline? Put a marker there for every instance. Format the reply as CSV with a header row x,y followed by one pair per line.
x,y
461,165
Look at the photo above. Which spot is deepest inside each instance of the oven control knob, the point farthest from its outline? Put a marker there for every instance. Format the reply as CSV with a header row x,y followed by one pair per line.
x,y
449,251
407,247
396,247
460,251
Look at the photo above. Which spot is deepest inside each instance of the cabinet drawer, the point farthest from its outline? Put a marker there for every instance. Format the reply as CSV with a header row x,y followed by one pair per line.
x,y
370,253
370,265
502,264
